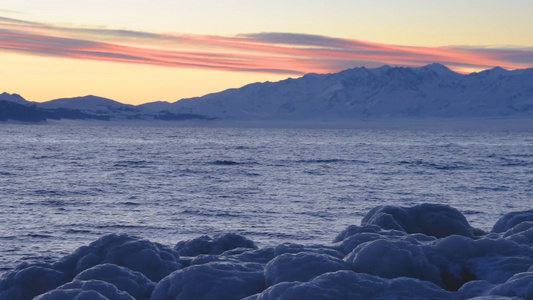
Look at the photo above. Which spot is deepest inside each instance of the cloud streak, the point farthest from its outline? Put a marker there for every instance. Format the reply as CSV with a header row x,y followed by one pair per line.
x,y
280,53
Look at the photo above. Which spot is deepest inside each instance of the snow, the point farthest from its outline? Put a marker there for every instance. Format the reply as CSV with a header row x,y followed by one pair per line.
x,y
511,219
214,280
302,266
92,289
352,285
153,260
134,283
410,261
430,219
392,259
519,285
74,294
431,91
215,245
26,282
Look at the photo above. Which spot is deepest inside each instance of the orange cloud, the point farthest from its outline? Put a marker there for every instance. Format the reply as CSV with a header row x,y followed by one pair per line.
x,y
282,53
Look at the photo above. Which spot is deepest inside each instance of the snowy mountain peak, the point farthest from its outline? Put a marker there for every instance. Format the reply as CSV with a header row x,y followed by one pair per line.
x,y
398,92
499,70
354,94
381,70
437,69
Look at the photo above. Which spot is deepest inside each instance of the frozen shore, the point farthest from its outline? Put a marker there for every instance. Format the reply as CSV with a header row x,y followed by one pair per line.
x,y
427,251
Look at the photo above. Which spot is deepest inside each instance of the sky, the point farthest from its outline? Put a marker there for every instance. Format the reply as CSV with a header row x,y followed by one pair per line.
x,y
135,51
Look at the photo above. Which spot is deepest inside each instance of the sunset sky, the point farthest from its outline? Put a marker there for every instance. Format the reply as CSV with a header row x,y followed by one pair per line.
x,y
137,51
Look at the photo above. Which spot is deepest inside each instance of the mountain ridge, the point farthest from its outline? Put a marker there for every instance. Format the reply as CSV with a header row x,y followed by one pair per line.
x,y
431,91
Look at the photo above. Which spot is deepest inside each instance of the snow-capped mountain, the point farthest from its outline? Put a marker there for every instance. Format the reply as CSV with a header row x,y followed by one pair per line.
x,y
429,91
386,92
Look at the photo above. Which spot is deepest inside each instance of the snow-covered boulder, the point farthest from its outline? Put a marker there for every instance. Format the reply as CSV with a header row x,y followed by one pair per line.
x,y
519,286
430,219
354,286
132,282
512,219
461,259
86,290
215,280
216,245
154,260
28,281
392,259
302,266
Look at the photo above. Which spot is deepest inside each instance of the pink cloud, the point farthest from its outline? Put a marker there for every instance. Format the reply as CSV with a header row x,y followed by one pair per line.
x,y
284,53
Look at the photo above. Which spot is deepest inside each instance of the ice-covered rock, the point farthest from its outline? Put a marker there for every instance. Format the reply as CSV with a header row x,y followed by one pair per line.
x,y
216,245
264,255
296,248
352,241
520,285
260,256
499,259
355,229
474,289
337,285
430,219
132,282
28,281
302,266
392,259
207,258
519,228
450,256
75,294
512,219
86,290
215,280
396,255
355,286
461,259
154,260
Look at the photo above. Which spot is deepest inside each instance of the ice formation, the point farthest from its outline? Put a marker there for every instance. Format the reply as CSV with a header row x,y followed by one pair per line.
x,y
132,282
216,245
92,289
215,280
422,252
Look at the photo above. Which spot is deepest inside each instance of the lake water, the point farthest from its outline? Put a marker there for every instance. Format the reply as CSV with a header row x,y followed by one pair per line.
x,y
63,186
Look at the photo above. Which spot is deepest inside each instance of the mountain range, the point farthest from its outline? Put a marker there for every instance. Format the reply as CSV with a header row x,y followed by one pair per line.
x,y
431,91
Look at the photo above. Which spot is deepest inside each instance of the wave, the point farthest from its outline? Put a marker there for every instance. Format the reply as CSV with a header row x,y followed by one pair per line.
x,y
225,162
437,166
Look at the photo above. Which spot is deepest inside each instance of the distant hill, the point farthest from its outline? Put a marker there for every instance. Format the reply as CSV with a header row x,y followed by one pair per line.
x,y
385,92
14,107
13,98
94,105
31,113
432,91
18,112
